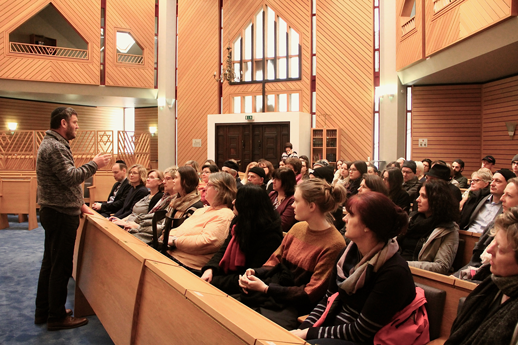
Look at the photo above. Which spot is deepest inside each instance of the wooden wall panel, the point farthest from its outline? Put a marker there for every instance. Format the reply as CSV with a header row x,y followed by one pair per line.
x,y
144,118
450,118
500,105
297,14
198,49
410,45
460,19
138,18
345,86
36,115
83,15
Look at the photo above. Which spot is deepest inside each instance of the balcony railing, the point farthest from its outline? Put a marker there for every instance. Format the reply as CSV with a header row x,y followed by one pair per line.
x,y
408,26
440,4
130,59
41,50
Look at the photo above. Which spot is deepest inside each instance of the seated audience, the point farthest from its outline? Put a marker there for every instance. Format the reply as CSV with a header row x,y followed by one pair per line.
x,y
256,176
490,313
401,160
370,283
232,168
118,193
411,184
393,178
199,237
268,168
442,172
458,168
255,233
155,185
248,167
320,163
295,165
193,164
372,183
514,165
210,161
137,176
393,164
342,175
427,163
282,196
356,171
206,170
480,180
419,171
477,268
294,279
488,162
182,185
432,237
282,164
372,169
324,172
304,170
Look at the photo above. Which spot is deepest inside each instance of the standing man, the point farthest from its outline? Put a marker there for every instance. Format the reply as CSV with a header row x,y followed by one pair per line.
x,y
288,152
61,201
458,168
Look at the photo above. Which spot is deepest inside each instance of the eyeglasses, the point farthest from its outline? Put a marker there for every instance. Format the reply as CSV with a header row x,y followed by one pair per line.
x,y
210,185
475,180
168,178
153,178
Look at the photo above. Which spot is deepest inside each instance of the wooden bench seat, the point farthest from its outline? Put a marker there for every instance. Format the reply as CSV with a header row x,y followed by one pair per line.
x,y
18,196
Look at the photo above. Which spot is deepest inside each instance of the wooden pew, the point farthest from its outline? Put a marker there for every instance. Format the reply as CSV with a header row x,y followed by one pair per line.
x,y
142,297
470,239
18,196
455,289
101,186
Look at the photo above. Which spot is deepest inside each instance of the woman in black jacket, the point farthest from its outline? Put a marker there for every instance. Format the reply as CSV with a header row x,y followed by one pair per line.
x,y
255,233
393,179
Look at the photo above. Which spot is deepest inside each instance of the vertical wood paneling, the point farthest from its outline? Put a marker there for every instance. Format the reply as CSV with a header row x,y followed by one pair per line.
x,y
138,18
144,118
345,89
36,115
410,47
450,118
83,15
198,47
500,105
461,19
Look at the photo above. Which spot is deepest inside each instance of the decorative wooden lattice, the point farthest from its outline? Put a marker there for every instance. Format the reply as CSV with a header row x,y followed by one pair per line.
x,y
135,148
130,58
18,150
37,49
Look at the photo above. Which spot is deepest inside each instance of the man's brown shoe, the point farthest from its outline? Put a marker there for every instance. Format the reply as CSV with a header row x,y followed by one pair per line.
x,y
39,320
67,323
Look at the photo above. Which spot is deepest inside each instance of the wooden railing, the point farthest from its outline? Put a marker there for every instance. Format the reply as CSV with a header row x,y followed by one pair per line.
x,y
130,59
408,26
36,49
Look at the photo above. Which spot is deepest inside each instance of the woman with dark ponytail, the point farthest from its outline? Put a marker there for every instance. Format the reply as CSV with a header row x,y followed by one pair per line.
x,y
294,278
370,283
254,234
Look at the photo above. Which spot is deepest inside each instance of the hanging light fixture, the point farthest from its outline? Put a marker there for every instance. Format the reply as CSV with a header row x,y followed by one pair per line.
x,y
229,75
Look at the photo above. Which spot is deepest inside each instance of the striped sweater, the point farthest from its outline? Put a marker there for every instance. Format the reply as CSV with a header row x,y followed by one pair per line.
x,y
309,255
359,316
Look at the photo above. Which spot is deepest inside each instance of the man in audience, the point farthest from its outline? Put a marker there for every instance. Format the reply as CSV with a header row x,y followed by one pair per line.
x,y
256,176
442,172
473,269
427,163
118,193
488,162
61,201
320,163
232,168
295,165
458,168
484,214
514,165
411,184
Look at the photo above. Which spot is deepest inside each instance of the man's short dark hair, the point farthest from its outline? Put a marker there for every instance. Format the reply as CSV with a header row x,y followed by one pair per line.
x,y
59,114
288,145
459,162
122,164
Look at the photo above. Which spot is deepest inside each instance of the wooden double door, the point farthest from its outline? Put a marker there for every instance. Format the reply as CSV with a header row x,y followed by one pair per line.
x,y
250,142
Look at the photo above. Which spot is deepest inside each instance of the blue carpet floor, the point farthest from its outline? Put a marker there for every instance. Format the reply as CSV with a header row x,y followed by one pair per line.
x,y
21,252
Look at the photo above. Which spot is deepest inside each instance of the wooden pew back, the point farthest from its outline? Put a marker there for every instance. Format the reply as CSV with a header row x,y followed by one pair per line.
x,y
101,186
470,239
18,196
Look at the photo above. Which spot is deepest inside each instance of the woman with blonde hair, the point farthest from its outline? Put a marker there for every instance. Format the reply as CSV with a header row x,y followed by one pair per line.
x,y
294,278
198,238
137,176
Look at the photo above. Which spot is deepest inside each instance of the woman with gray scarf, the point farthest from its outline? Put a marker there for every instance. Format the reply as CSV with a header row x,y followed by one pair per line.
x,y
490,313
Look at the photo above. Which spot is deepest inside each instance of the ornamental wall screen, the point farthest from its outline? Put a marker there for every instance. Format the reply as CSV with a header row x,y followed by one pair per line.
x,y
18,149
